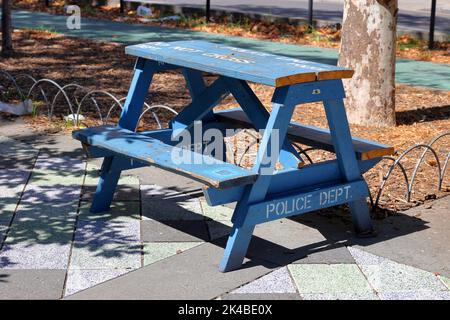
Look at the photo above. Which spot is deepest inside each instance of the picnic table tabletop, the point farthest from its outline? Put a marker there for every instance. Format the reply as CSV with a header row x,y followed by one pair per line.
x,y
244,64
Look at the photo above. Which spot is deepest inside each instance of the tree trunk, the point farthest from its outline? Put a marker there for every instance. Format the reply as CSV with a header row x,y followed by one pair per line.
x,y
368,46
6,28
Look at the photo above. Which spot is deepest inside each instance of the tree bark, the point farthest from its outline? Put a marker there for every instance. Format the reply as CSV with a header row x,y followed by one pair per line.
x,y
368,46
7,47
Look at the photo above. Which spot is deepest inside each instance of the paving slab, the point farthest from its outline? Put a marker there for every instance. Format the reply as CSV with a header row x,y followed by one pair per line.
x,y
415,295
56,177
178,231
330,255
15,148
285,241
219,229
92,177
123,193
325,278
12,182
446,281
261,296
278,281
79,279
217,213
7,209
17,161
118,230
118,210
164,178
180,208
12,191
39,223
341,296
414,237
54,162
192,274
385,275
31,284
53,193
95,255
55,145
35,256
156,251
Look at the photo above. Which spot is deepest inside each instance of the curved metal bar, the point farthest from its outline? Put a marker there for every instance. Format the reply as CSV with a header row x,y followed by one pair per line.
x,y
56,85
432,142
13,80
444,168
152,108
246,150
418,164
303,151
388,174
67,86
89,94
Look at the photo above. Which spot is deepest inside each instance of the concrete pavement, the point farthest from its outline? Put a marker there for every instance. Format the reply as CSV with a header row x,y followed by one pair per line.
x,y
161,241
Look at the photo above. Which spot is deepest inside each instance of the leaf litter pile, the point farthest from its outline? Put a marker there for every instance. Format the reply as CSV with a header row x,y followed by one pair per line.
x,y
422,114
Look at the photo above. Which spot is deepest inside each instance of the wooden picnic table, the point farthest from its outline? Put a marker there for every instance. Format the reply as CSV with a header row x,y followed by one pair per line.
x,y
264,192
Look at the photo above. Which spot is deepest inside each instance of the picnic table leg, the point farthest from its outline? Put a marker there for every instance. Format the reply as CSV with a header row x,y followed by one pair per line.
x,y
274,136
258,116
345,154
196,85
143,74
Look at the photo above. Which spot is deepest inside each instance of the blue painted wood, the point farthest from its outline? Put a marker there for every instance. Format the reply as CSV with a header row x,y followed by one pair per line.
x,y
263,194
295,203
244,64
199,107
315,91
152,151
106,185
196,84
311,136
132,108
258,115
286,180
345,154
143,74
275,131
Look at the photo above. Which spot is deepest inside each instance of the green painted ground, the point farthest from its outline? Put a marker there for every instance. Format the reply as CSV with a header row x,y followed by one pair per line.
x,y
411,72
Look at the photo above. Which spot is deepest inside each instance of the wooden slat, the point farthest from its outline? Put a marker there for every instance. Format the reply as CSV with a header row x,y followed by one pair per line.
x,y
313,136
208,170
265,68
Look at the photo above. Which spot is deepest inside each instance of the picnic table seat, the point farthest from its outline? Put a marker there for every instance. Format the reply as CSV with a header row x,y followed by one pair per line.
x,y
311,136
152,151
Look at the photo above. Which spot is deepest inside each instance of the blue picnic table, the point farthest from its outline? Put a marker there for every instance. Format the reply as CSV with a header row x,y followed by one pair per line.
x,y
265,192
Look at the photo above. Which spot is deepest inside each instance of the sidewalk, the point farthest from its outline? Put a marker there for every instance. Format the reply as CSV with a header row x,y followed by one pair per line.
x,y
416,73
161,240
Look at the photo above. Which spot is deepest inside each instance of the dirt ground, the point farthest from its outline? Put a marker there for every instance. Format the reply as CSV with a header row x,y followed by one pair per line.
x,y
422,114
329,36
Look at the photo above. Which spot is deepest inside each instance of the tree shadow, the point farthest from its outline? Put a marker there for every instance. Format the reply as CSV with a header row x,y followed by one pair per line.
x,y
410,117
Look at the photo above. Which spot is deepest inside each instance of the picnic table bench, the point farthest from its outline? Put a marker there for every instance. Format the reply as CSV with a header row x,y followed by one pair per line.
x,y
264,192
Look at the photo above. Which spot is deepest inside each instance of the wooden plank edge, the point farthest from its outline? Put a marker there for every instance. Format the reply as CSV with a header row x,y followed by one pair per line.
x,y
295,78
334,74
377,153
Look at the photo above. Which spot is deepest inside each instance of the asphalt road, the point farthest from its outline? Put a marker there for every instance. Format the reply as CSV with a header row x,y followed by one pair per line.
x,y
413,14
